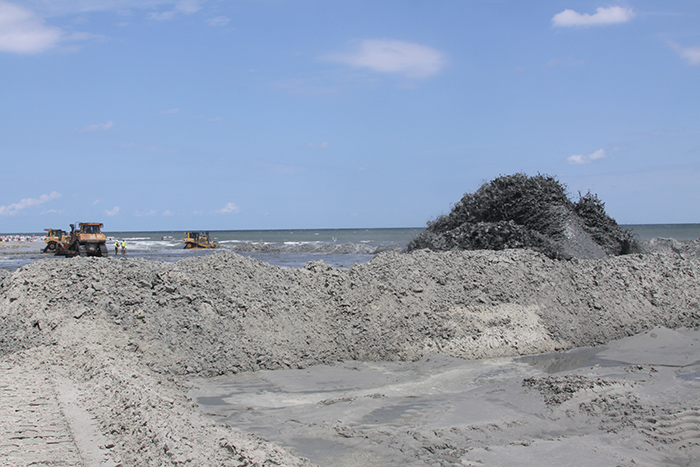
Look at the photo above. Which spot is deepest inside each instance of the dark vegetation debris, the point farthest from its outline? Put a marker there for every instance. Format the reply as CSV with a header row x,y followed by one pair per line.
x,y
519,211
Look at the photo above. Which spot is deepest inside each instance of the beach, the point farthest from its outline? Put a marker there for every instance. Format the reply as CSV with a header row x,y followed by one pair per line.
x,y
408,359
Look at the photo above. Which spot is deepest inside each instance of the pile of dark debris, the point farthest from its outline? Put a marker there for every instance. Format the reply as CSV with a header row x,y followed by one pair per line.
x,y
520,211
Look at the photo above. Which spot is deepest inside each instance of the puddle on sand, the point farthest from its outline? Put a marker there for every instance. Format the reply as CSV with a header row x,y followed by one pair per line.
x,y
566,361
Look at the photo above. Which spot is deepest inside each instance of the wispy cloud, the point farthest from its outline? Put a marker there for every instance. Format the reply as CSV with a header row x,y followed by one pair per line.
x,y
14,208
218,21
690,54
170,111
112,212
23,32
393,56
602,16
186,7
230,208
587,159
98,126
162,16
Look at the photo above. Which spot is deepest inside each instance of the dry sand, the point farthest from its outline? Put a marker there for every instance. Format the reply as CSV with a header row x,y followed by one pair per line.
x,y
99,357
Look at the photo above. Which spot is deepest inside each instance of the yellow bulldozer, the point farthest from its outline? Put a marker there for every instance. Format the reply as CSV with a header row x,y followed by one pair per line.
x,y
198,240
54,237
85,239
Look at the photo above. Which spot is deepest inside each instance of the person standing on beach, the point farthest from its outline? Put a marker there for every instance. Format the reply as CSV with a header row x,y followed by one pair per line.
x,y
123,247
116,247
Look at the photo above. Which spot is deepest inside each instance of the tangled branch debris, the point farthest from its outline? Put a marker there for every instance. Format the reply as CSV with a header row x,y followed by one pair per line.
x,y
518,211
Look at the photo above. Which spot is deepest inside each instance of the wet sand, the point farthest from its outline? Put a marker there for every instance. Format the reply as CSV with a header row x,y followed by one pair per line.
x,y
597,406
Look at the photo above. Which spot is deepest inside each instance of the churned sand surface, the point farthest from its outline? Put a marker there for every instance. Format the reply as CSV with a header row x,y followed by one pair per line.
x,y
411,359
633,402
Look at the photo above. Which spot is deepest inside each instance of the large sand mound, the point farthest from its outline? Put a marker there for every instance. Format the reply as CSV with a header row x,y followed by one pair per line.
x,y
225,313
124,331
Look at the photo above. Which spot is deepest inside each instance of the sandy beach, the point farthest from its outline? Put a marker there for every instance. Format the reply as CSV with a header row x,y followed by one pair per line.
x,y
410,359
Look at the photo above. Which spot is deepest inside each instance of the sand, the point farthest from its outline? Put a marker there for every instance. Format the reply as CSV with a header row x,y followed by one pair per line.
x,y
633,402
411,359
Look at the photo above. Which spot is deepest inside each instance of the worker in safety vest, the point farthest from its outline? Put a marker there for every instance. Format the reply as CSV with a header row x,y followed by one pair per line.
x,y
123,247
116,247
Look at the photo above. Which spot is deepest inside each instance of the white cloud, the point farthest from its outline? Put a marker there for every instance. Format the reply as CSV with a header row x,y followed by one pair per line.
x,y
99,126
13,208
689,54
392,56
218,21
164,16
170,111
22,31
587,159
188,6
112,212
229,208
168,212
602,16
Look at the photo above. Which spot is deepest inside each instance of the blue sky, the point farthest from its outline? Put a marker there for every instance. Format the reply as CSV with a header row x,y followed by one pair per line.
x,y
264,114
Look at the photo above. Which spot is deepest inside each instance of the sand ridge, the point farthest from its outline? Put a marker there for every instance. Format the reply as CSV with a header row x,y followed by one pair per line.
x,y
126,334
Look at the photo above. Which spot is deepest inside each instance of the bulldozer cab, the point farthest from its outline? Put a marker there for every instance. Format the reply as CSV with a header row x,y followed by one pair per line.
x,y
86,239
55,238
198,240
54,235
90,228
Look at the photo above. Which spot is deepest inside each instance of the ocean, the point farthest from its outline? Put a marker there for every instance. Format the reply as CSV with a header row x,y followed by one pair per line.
x,y
341,248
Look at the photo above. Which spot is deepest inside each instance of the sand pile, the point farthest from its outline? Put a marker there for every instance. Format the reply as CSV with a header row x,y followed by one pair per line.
x,y
517,211
125,331
225,313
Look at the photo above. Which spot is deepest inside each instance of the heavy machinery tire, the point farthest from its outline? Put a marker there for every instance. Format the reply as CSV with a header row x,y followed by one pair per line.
x,y
103,251
82,250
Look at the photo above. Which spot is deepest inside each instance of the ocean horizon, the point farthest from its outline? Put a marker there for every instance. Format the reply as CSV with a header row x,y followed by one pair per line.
x,y
678,231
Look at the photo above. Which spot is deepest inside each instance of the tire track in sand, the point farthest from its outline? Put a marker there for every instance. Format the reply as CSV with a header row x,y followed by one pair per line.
x,y
34,427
